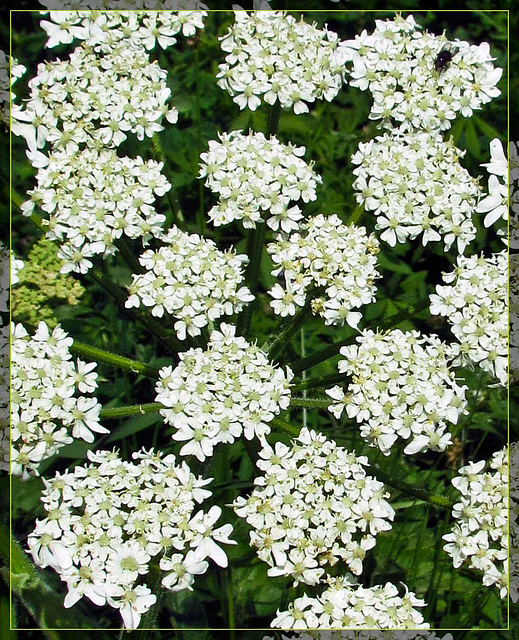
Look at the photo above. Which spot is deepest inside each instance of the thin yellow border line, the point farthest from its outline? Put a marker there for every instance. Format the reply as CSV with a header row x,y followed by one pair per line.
x,y
270,629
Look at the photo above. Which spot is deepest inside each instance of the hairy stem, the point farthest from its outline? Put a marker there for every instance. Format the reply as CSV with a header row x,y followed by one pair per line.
x,y
130,410
100,355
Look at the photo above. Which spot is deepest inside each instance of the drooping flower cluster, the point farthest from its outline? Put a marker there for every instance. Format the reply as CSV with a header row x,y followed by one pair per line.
x,y
325,254
314,506
46,413
191,279
139,29
495,204
216,395
345,605
401,387
94,197
93,100
108,519
418,80
479,536
414,184
474,301
272,56
10,71
252,174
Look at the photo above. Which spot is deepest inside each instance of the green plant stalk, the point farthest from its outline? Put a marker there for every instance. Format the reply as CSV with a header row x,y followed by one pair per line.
x,y
281,425
328,352
314,383
281,341
148,623
311,403
131,410
100,355
127,255
174,204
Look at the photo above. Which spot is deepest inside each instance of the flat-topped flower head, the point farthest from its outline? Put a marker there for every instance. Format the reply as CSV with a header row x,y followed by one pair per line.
x,y
347,605
95,197
272,57
50,397
315,506
255,176
474,300
192,280
217,395
418,80
103,30
479,536
401,387
107,520
415,186
334,259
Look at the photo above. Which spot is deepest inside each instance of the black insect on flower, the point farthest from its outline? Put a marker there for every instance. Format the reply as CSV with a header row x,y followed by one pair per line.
x,y
444,57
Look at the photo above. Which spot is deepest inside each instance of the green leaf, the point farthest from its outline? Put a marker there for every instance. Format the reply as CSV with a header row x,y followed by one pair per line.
x,y
134,425
485,128
472,140
395,267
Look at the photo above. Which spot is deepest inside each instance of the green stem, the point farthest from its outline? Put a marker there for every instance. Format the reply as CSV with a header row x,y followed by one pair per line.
x,y
281,425
281,341
175,216
333,349
230,601
311,403
128,256
99,355
148,624
130,410
314,383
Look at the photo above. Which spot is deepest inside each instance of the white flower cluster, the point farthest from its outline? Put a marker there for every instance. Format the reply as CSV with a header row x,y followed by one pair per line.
x,y
121,5
415,184
480,533
346,605
514,521
139,29
314,506
325,253
401,388
271,55
45,412
108,519
513,200
474,300
495,204
93,198
252,174
362,635
419,80
10,71
5,262
191,279
93,100
216,395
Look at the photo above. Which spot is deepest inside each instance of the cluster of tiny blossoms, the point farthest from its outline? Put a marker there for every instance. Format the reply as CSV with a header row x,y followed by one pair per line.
x,y
346,605
495,204
138,29
252,174
10,71
216,395
108,519
413,84
45,412
414,184
325,253
128,5
5,260
480,533
314,506
401,388
273,57
362,635
475,303
94,197
514,521
191,279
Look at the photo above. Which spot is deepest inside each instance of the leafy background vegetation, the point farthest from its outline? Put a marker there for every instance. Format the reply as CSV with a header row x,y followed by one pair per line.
x,y
412,551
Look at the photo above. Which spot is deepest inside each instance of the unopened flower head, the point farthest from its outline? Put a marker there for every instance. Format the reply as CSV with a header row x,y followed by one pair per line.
x,y
10,71
315,506
191,279
418,80
479,536
346,605
334,261
93,100
216,395
401,387
495,203
415,185
273,57
255,176
94,197
103,30
46,411
107,520
474,301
